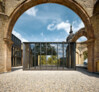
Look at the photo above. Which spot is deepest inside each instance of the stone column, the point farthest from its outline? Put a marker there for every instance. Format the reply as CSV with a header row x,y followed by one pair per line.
x,y
91,57
81,58
95,22
26,56
8,46
22,57
5,57
76,58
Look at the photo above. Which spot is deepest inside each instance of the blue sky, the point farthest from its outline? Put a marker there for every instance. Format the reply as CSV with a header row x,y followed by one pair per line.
x,y
47,22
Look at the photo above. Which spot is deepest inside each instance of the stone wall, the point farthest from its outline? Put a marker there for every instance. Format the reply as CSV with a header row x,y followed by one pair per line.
x,y
95,21
10,10
3,48
87,5
10,6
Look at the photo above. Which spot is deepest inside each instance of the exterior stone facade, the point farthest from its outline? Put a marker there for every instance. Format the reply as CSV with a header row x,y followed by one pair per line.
x,y
11,10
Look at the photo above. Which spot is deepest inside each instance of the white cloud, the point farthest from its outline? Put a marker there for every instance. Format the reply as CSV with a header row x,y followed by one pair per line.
x,y
77,26
19,36
32,11
51,27
45,18
65,26
62,25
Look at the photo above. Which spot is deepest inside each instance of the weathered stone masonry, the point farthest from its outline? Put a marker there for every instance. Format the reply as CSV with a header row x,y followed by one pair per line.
x,y
11,10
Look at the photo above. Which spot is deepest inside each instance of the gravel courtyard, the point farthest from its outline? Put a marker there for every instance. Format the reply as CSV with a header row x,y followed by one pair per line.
x,y
49,81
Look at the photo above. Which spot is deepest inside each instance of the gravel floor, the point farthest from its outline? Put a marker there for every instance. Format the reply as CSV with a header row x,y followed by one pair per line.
x,y
49,81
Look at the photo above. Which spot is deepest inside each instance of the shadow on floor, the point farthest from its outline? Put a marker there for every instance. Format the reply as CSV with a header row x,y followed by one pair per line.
x,y
16,68
79,69
86,72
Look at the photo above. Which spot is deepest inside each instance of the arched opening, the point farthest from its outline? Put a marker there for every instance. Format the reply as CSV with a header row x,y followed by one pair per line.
x,y
47,24
70,4
28,4
43,23
82,39
90,47
81,52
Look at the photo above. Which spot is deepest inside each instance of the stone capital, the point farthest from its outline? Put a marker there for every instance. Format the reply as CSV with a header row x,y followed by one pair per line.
x,y
8,42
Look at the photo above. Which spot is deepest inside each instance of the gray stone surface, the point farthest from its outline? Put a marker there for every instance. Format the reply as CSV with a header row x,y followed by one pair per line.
x,y
49,81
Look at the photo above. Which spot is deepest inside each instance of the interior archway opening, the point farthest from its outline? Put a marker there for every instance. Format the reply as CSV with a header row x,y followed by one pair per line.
x,y
82,52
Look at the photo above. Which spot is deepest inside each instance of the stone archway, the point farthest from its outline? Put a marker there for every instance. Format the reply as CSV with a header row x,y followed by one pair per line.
x,y
10,20
78,34
68,3
90,46
80,53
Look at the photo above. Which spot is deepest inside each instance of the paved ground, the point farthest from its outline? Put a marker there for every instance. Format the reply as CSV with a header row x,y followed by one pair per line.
x,y
49,81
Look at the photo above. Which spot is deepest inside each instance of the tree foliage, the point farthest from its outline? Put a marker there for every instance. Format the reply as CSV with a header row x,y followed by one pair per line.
x,y
52,60
85,55
46,49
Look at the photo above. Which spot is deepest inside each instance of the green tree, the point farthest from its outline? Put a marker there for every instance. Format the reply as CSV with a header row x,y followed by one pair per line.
x,y
85,55
50,61
43,59
54,59
50,50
